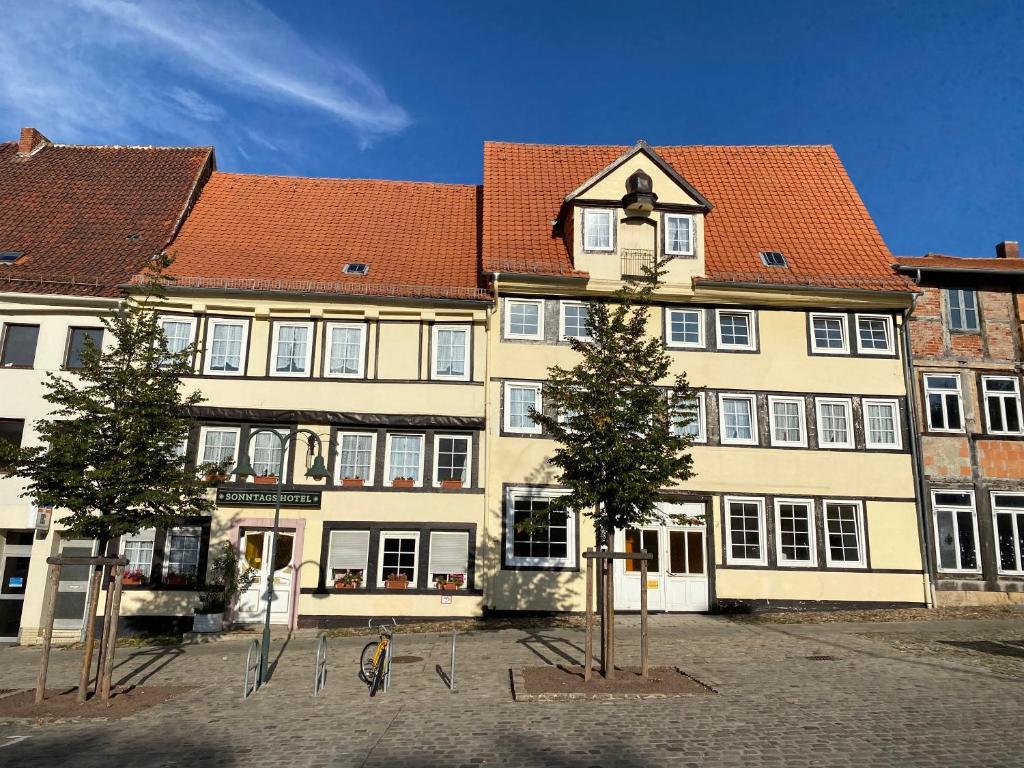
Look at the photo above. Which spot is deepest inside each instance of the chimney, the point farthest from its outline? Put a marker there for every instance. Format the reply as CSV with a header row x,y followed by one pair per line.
x,y
30,141
1008,249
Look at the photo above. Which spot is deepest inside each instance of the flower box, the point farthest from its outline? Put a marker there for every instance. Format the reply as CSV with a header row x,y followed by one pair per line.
x,y
403,482
177,580
216,477
339,584
397,582
450,585
352,482
265,479
451,483
131,581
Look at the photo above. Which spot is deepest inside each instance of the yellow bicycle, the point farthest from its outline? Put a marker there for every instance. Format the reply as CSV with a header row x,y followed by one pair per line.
x,y
374,658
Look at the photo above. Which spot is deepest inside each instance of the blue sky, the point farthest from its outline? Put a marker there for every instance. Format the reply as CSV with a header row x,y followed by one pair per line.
x,y
923,101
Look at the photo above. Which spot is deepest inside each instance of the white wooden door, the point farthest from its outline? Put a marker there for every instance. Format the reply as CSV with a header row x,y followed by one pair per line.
x,y
677,578
256,548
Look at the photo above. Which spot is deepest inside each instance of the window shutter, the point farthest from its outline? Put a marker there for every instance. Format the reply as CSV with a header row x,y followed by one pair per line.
x,y
449,552
349,549
146,534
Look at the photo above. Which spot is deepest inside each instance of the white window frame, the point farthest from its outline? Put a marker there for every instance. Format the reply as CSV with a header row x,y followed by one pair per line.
x,y
307,364
189,320
329,329
889,330
366,559
812,532
587,213
861,534
670,342
506,416
847,403
144,536
430,557
995,532
751,325
702,419
693,235
201,451
897,427
285,451
752,399
165,568
961,292
467,360
954,508
387,456
844,326
507,325
762,532
801,442
243,352
338,476
561,319
959,400
415,536
468,480
1002,397
571,555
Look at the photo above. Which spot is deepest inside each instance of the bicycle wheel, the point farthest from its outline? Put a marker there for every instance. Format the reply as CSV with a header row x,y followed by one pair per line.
x,y
366,663
378,672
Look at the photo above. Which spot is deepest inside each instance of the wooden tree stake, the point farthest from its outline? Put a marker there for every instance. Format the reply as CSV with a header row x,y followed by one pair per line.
x,y
643,616
51,609
105,631
588,664
610,622
90,634
111,639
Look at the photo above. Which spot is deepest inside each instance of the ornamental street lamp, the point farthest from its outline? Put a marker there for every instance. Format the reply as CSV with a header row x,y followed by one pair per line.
x,y
317,471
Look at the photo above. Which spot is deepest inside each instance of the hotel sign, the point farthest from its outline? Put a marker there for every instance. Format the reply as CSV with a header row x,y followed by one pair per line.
x,y
231,497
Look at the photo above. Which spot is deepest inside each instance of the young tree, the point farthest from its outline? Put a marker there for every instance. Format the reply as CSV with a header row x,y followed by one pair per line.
x,y
613,415
110,450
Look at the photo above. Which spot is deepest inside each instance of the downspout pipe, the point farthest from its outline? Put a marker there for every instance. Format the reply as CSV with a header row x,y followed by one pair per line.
x,y
916,458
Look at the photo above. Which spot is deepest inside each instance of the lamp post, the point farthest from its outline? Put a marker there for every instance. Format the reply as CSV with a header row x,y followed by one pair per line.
x,y
318,471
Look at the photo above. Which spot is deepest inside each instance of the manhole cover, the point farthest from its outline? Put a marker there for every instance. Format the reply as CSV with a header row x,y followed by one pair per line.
x,y
822,658
405,659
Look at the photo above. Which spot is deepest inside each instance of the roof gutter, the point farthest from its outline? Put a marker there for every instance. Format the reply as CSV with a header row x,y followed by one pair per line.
x,y
801,288
364,297
910,270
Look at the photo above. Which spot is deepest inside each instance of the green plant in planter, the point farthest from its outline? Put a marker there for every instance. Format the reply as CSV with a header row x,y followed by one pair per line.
x,y
225,581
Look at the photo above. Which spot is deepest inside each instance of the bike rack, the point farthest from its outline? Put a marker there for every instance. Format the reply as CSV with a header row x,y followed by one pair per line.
x,y
451,675
252,667
387,662
320,668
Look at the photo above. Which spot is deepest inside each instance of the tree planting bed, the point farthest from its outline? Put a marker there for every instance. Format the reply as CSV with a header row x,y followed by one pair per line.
x,y
565,683
61,704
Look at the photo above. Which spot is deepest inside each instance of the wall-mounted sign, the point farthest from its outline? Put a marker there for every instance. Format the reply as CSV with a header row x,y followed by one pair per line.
x,y
260,497
446,599
39,517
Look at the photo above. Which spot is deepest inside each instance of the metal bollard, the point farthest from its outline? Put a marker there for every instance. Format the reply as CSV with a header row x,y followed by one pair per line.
x,y
320,667
387,662
451,675
252,668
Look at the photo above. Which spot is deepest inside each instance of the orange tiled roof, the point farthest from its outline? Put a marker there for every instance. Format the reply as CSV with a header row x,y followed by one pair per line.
x,y
88,218
939,261
259,232
798,200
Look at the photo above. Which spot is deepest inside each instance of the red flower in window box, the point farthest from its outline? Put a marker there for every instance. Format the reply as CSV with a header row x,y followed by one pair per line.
x,y
403,482
352,482
133,577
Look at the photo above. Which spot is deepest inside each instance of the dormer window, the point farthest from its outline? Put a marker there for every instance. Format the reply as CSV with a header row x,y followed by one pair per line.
x,y
356,268
597,230
678,234
773,259
9,257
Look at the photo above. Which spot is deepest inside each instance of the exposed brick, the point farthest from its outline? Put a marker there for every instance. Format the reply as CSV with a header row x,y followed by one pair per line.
x,y
1001,459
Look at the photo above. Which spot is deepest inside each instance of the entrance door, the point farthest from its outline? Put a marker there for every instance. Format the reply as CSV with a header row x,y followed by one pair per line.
x,y
73,588
677,578
13,581
256,547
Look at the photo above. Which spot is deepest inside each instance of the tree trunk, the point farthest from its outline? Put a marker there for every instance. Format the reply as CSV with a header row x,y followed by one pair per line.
x,y
90,634
610,629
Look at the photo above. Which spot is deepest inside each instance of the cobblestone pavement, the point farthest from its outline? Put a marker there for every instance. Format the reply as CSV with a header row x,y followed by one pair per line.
x,y
923,694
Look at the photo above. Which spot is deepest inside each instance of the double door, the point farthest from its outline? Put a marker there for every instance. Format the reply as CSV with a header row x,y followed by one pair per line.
x,y
677,574
17,551
259,554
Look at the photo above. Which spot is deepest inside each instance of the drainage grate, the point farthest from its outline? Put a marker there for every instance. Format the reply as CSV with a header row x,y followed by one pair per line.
x,y
405,659
822,658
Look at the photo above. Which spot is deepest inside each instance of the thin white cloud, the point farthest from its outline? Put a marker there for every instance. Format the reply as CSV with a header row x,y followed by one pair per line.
x,y
141,69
